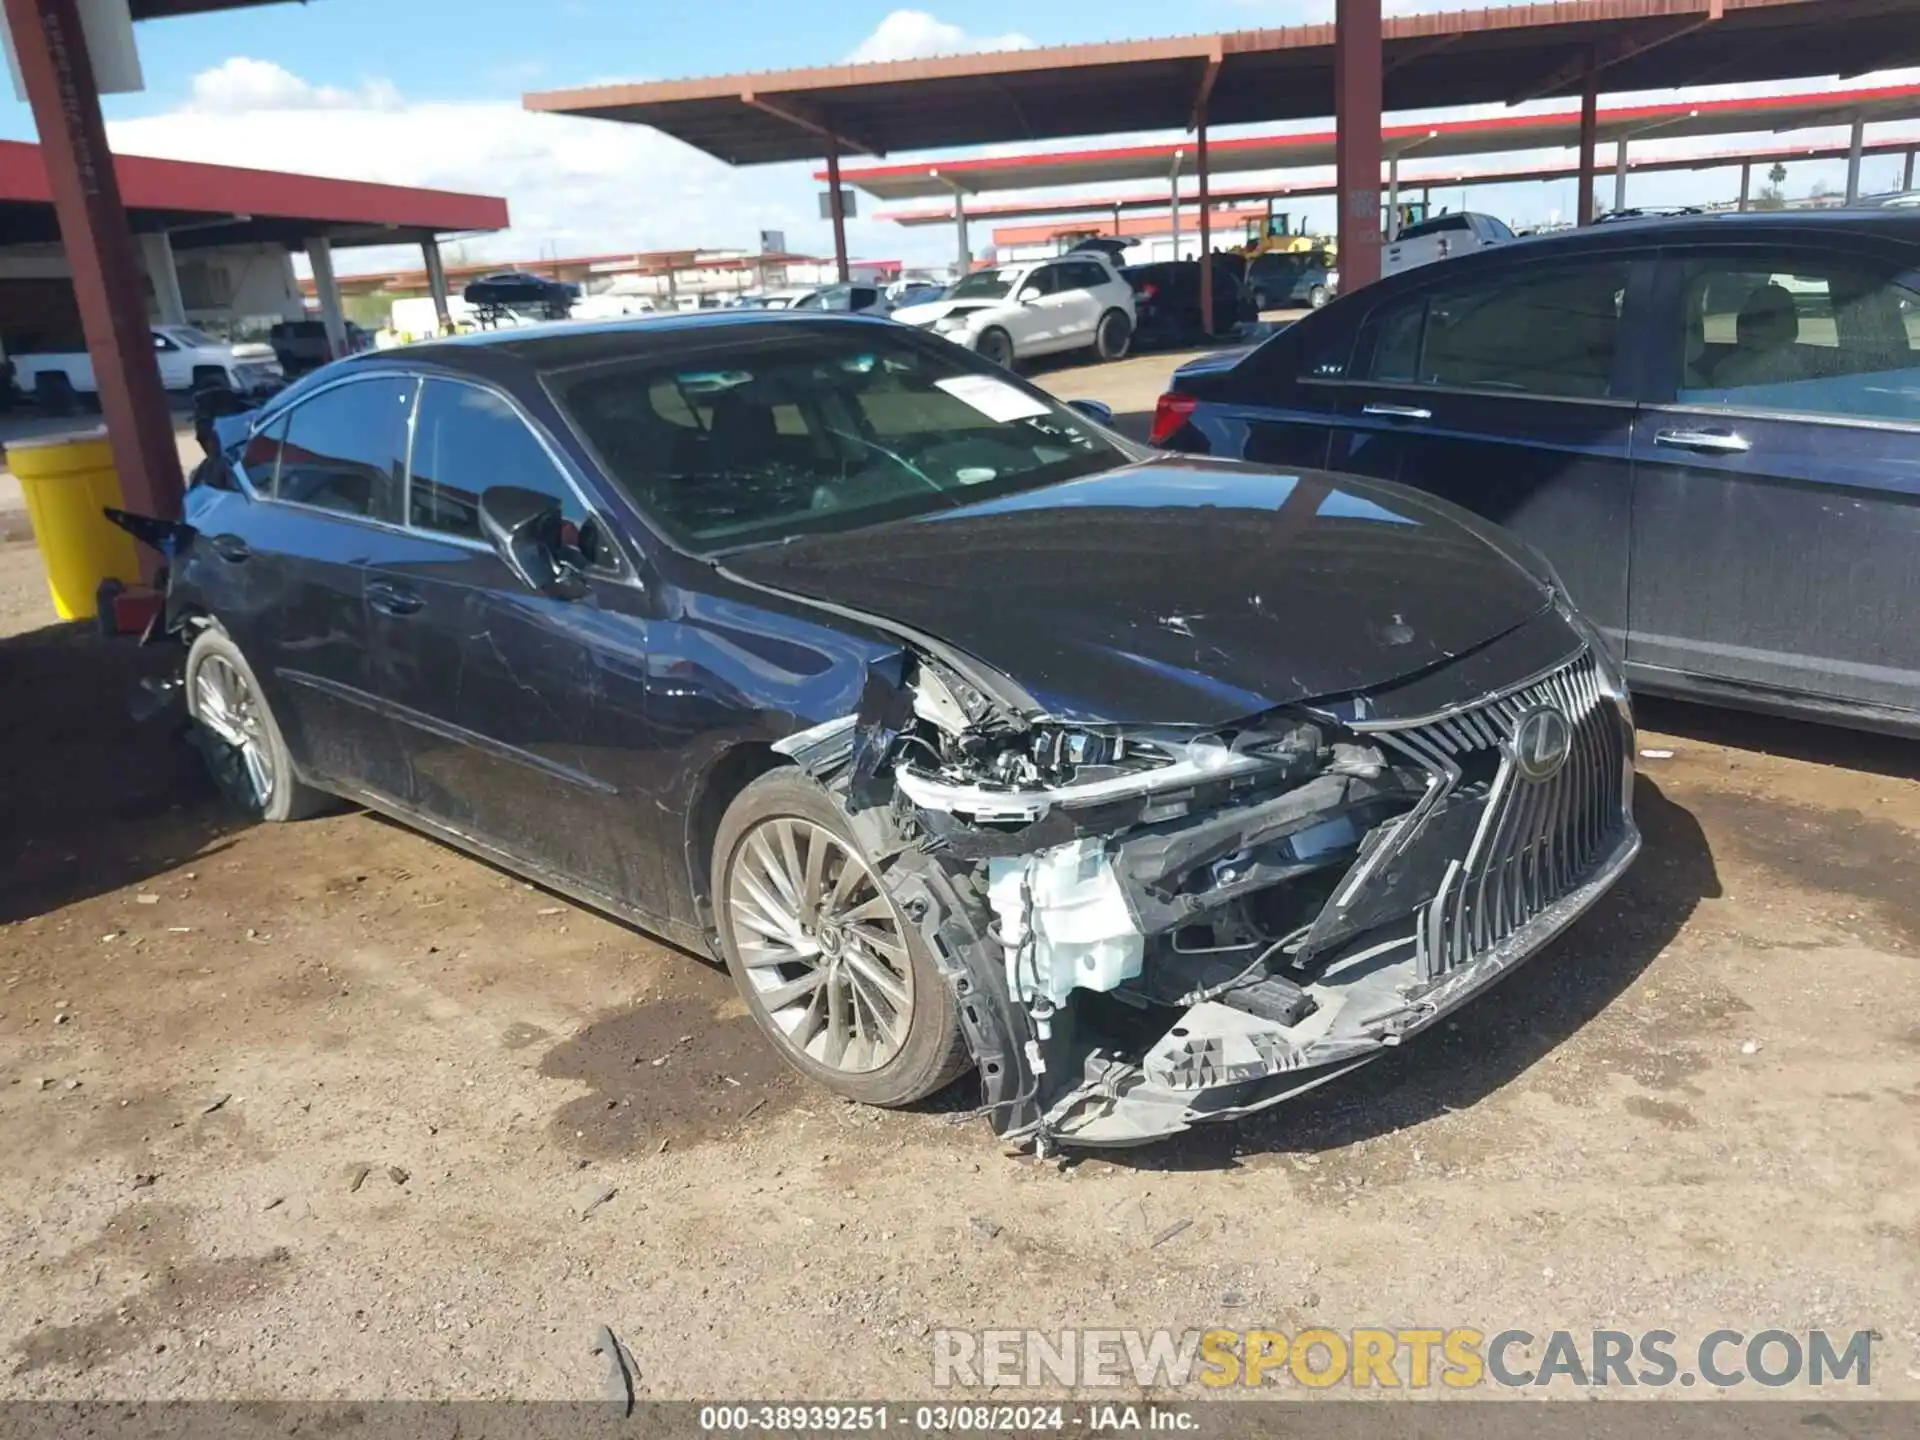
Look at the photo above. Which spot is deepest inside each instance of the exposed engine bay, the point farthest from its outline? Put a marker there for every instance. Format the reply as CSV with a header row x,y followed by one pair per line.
x,y
1150,926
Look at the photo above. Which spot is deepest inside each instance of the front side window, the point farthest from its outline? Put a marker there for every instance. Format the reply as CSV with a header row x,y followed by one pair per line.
x,y
1547,334
259,456
767,437
1044,281
465,441
346,449
1804,334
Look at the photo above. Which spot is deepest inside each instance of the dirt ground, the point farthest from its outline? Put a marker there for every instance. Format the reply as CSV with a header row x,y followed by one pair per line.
x,y
330,1110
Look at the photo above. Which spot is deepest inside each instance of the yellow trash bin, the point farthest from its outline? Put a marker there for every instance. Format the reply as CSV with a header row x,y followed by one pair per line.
x,y
67,481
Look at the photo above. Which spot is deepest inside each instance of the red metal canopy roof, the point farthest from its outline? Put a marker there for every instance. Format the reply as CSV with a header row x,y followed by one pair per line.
x,y
222,204
1495,134
1411,184
1461,57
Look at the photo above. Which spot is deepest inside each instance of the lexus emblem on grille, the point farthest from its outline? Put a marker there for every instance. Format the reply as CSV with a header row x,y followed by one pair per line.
x,y
1541,743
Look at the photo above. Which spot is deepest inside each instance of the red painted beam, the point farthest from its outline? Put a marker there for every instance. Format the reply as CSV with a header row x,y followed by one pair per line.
x,y
1357,141
179,185
108,281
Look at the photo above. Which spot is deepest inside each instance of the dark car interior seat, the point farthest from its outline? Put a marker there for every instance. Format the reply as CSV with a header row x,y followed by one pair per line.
x,y
1765,339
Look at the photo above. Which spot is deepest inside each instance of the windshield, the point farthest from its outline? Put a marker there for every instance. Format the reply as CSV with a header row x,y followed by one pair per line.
x,y
983,285
191,338
772,434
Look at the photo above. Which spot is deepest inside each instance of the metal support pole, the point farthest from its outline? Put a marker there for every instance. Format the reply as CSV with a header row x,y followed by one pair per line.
x,y
58,75
1854,148
1746,183
1393,199
1206,225
437,283
157,251
963,249
1589,132
1173,185
1620,174
1357,147
320,257
837,210
1907,183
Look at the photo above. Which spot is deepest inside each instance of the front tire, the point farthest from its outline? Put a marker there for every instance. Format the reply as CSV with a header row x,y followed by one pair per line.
x,y
1316,297
831,971
996,346
1113,335
245,752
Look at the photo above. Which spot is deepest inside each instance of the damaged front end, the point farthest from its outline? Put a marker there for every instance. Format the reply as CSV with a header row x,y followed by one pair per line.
x,y
1146,927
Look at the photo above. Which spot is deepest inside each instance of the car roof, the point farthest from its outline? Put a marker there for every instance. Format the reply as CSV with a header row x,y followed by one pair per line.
x,y
1639,234
1739,226
530,350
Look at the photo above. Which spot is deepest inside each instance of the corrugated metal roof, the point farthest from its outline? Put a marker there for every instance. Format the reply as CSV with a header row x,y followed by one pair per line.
x,y
1447,58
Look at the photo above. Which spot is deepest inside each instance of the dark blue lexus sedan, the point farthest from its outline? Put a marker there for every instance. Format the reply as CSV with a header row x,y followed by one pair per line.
x,y
968,735
1710,426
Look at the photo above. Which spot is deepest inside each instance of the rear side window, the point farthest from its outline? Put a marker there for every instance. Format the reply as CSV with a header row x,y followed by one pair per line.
x,y
465,441
1440,226
346,449
1082,275
1547,334
1803,334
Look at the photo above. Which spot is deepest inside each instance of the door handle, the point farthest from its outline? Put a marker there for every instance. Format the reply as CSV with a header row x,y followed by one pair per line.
x,y
230,548
391,599
1720,442
1397,412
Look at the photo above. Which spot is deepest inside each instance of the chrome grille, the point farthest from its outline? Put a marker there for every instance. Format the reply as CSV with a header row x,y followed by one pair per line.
x,y
1536,839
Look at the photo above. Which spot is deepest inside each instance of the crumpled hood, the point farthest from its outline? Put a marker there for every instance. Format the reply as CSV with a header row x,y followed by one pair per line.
x,y
1177,591
939,310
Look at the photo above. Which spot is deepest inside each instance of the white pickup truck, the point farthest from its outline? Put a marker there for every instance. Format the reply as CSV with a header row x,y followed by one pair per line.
x,y
190,359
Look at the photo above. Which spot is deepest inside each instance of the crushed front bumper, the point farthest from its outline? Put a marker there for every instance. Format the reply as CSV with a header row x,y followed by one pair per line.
x,y
1218,1063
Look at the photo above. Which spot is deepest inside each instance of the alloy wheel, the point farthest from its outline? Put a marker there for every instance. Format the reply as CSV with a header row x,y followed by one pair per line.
x,y
821,945
226,707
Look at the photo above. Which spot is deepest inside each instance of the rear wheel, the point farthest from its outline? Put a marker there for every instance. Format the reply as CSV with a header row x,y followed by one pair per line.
x,y
1113,336
241,740
1316,297
996,346
829,968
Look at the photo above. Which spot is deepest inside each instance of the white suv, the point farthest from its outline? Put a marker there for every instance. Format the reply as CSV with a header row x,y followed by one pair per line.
x,y
1074,302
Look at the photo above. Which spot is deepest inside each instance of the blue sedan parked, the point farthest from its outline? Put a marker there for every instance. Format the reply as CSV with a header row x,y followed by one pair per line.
x,y
1710,426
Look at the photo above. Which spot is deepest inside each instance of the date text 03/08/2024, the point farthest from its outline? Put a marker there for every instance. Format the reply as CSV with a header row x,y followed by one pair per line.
x,y
944,1419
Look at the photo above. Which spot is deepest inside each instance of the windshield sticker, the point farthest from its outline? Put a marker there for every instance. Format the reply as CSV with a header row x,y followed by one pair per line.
x,y
993,398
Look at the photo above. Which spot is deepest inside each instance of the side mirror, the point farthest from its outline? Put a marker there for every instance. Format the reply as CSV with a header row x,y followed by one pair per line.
x,y
212,404
1097,411
524,528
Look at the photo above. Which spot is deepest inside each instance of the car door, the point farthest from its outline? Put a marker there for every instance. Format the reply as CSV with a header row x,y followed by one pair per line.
x,y
285,570
518,711
1511,394
1082,301
1777,482
176,364
1037,323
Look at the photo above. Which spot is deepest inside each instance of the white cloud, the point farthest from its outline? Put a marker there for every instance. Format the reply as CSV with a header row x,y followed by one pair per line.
x,y
915,35
242,84
572,186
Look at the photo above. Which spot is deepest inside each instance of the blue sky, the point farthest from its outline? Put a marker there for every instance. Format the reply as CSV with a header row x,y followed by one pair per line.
x,y
427,92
